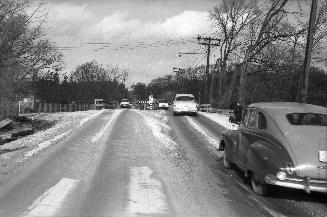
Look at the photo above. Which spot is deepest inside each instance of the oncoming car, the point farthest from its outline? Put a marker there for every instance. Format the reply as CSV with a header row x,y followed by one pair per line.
x,y
185,104
282,144
163,104
124,103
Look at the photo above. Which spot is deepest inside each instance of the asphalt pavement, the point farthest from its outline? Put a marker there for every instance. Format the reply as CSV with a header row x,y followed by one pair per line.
x,y
128,162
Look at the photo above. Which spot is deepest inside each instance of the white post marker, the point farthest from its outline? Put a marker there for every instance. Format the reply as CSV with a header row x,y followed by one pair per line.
x,y
51,200
145,193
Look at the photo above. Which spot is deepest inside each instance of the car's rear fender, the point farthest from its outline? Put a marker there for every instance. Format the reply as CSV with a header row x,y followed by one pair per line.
x,y
228,141
264,159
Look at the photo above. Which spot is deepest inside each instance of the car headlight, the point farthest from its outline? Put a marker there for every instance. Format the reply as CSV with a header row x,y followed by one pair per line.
x,y
281,175
289,169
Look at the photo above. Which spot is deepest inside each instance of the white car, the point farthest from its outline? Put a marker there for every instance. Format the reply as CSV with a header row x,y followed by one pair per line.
x,y
163,104
124,103
185,104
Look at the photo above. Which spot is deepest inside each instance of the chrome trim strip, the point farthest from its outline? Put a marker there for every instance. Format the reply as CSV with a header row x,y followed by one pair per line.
x,y
303,184
311,181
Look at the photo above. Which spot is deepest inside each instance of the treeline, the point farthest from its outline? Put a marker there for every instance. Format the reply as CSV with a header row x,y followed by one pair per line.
x,y
86,83
262,86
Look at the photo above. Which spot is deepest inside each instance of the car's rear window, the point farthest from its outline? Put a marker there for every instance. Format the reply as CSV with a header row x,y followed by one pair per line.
x,y
307,119
124,100
162,101
184,98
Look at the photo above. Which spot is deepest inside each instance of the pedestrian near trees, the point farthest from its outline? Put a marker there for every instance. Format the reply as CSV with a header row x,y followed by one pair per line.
x,y
238,113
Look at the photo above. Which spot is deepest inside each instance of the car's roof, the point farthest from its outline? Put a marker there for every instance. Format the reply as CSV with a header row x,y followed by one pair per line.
x,y
280,108
184,94
205,105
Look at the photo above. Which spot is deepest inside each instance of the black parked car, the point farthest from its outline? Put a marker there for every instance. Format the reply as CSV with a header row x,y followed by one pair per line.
x,y
283,144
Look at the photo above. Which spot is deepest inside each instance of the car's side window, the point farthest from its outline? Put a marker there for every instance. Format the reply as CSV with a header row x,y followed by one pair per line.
x,y
252,120
262,121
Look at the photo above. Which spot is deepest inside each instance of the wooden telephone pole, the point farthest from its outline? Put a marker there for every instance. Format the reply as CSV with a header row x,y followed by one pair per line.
x,y
178,72
208,41
304,81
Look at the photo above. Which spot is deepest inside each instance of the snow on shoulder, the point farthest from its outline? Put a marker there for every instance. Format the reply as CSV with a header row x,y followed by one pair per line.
x,y
221,119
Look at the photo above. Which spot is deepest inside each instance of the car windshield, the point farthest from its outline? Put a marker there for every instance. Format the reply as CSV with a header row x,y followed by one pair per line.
x,y
124,100
162,101
184,98
307,119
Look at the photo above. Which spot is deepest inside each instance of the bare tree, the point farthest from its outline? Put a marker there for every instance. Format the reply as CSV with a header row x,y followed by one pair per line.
x,y
270,26
23,50
231,18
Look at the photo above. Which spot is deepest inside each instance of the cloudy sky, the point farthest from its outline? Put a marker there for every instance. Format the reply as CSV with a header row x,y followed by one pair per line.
x,y
143,36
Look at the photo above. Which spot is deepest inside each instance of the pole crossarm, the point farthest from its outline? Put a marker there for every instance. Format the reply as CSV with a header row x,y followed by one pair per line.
x,y
178,70
189,53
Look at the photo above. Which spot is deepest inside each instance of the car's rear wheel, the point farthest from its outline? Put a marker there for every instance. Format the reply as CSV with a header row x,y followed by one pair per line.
x,y
258,187
227,163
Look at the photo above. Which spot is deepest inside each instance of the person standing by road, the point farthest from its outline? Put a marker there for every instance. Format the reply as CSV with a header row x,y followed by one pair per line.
x,y
238,113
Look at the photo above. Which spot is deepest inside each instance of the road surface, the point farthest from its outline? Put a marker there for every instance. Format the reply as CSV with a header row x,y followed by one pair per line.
x,y
142,163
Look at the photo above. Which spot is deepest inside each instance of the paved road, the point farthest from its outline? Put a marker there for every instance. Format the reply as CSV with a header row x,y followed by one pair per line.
x,y
141,163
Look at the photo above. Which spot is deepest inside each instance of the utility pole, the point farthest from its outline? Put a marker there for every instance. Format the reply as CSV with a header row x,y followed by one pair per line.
x,y
189,53
214,72
308,49
208,41
178,71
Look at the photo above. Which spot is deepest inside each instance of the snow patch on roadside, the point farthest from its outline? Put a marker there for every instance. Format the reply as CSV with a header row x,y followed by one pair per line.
x,y
208,138
157,122
109,123
48,143
221,119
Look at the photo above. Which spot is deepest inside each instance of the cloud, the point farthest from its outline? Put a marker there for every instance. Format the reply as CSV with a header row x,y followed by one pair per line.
x,y
68,20
70,24
186,24
118,25
115,25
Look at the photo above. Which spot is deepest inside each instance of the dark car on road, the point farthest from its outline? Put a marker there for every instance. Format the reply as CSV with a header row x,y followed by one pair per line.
x,y
282,144
206,108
